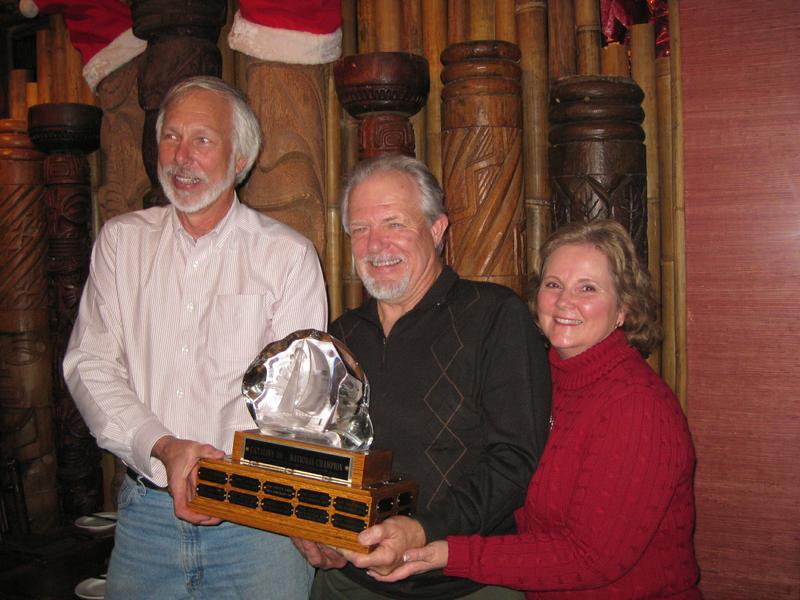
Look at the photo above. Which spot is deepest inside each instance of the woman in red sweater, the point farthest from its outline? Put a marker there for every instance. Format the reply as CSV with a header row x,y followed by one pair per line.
x,y
610,510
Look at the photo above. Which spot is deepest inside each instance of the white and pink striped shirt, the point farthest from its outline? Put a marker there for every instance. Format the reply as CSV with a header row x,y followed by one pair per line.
x,y
168,325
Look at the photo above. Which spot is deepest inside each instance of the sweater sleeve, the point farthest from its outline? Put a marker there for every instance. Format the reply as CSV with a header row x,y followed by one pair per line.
x,y
628,469
514,398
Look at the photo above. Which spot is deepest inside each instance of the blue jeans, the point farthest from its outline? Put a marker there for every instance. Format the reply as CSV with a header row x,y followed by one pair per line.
x,y
159,556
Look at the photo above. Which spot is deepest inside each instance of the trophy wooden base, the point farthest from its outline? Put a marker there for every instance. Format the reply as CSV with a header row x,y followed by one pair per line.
x,y
302,490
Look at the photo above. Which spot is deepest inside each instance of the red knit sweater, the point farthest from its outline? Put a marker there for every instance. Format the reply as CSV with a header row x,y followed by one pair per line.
x,y
610,510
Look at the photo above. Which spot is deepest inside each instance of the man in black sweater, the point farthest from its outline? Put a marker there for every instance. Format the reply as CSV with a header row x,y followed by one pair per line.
x,y
460,387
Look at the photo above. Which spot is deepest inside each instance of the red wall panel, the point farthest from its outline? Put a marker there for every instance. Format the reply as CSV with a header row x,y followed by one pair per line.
x,y
740,74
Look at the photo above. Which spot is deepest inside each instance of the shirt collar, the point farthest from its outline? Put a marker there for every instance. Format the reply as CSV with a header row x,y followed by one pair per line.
x,y
221,231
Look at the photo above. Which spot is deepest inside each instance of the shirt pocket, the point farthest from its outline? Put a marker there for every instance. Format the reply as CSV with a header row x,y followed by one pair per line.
x,y
240,326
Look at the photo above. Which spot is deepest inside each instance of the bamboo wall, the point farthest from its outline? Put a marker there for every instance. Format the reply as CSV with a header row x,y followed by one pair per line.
x,y
556,38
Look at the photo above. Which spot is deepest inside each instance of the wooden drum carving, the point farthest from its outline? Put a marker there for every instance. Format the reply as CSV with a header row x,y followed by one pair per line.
x,y
66,132
182,42
383,90
597,153
482,162
28,469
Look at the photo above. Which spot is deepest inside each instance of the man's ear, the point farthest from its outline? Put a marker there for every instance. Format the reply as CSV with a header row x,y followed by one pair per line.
x,y
241,161
438,228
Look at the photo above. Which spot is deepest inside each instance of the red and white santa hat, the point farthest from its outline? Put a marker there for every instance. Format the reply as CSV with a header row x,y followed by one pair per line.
x,y
304,32
99,29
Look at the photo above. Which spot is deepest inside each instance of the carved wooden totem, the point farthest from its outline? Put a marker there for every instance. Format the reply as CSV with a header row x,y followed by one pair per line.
x,y
123,181
482,162
28,474
182,42
66,132
383,90
288,180
597,153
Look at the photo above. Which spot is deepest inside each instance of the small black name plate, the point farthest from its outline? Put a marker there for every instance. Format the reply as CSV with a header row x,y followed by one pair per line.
x,y
315,463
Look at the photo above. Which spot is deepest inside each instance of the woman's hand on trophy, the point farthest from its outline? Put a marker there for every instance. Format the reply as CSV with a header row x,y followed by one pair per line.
x,y
321,556
391,538
179,458
418,560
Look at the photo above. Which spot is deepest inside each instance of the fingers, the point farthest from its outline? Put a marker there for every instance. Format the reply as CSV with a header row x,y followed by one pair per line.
x,y
319,555
401,572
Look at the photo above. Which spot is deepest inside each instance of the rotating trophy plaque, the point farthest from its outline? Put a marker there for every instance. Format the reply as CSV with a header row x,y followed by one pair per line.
x,y
308,470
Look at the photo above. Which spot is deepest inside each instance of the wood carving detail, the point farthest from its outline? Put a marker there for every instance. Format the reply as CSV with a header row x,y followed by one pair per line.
x,y
123,181
288,180
27,456
597,153
482,162
67,201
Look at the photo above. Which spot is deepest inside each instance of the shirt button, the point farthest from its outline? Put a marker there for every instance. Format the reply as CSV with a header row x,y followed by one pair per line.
x,y
179,393
195,264
190,306
185,349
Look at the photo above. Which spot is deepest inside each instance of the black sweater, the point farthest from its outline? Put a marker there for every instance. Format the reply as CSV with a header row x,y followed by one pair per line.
x,y
460,392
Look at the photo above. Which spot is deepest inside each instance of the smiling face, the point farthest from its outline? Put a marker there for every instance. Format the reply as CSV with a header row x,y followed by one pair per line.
x,y
195,151
393,245
577,303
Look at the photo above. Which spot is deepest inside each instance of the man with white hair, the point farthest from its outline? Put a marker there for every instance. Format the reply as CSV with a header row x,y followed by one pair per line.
x,y
179,301
460,386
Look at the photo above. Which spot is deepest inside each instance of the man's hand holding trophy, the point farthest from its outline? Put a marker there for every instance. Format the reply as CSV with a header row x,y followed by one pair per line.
x,y
308,470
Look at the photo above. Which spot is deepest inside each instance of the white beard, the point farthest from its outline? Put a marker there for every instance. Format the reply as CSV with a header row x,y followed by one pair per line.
x,y
205,199
389,290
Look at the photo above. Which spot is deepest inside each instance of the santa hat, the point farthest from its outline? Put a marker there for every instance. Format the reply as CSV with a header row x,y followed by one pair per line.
x,y
99,29
289,31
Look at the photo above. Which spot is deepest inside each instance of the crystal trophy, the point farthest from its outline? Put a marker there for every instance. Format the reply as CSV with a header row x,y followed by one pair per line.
x,y
309,470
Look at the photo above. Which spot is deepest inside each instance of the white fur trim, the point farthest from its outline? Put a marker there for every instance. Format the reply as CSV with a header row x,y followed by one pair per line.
x,y
28,8
125,47
284,45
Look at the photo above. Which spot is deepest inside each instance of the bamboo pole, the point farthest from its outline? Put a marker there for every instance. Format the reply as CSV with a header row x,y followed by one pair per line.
x,y
228,62
44,65
351,41
676,96
532,30
367,32
387,25
59,63
481,20
668,289
333,221
74,72
505,23
614,60
434,17
17,93
643,70
561,38
587,33
457,21
411,41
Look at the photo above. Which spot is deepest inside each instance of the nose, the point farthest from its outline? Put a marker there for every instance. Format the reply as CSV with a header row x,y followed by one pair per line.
x,y
564,298
374,241
183,154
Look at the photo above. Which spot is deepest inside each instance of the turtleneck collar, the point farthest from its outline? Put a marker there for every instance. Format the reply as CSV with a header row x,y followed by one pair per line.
x,y
590,365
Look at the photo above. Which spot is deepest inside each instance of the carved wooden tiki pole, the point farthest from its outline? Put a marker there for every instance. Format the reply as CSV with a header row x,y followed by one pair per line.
x,y
482,162
597,155
383,90
66,132
288,180
28,474
182,42
123,181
